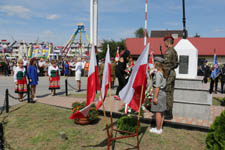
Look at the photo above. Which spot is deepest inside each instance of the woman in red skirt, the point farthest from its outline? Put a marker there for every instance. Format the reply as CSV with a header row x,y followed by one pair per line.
x,y
20,80
54,79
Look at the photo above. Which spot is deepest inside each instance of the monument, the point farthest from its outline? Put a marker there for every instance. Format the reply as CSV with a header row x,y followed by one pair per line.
x,y
191,97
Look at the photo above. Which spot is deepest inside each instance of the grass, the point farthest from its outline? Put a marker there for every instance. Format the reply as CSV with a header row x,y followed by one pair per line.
x,y
218,101
37,127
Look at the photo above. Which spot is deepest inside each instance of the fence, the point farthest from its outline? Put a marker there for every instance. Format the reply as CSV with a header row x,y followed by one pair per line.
x,y
66,87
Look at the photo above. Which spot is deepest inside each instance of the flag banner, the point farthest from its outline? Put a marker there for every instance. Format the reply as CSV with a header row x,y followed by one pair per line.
x,y
106,79
216,70
93,80
81,113
131,93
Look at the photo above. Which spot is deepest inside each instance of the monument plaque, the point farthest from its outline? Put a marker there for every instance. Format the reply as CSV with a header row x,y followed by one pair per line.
x,y
184,60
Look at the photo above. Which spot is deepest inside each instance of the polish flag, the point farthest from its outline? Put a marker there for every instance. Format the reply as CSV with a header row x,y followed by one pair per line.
x,y
81,113
106,79
117,58
93,81
151,61
131,93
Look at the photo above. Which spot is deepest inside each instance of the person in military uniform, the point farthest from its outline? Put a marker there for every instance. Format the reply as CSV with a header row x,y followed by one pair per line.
x,y
113,72
169,65
222,78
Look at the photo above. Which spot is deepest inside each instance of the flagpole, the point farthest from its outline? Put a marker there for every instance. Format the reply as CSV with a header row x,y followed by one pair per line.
x,y
142,89
110,99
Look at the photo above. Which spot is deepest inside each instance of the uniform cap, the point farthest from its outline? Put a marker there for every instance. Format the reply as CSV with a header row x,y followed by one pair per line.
x,y
168,37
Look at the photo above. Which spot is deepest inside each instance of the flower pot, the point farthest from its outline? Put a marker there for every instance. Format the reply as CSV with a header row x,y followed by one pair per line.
x,y
82,121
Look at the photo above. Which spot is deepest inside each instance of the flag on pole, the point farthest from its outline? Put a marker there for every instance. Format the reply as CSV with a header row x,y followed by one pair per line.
x,y
106,79
93,80
216,70
117,58
81,113
131,93
151,61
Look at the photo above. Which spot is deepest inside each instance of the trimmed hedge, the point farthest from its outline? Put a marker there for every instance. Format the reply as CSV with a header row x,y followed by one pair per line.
x,y
216,136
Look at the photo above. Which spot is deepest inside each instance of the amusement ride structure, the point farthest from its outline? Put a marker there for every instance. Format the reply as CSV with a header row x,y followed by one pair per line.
x,y
79,31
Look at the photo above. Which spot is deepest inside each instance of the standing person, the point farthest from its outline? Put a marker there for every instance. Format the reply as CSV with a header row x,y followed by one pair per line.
x,y
100,71
41,66
159,100
54,78
169,65
33,77
66,69
20,80
213,83
222,79
78,72
113,72
120,74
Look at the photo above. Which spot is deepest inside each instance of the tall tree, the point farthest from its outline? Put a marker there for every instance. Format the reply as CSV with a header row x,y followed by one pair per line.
x,y
140,33
112,46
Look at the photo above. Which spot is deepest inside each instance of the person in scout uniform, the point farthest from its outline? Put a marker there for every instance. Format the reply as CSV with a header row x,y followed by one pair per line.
x,y
169,65
159,100
53,73
20,80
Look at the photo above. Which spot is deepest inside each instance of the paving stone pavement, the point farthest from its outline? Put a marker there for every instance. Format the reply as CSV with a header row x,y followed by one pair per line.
x,y
66,102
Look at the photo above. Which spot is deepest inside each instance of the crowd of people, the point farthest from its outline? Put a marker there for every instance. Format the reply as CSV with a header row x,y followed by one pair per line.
x,y
206,70
27,72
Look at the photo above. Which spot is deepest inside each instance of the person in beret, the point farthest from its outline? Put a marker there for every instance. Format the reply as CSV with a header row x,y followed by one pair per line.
x,y
170,64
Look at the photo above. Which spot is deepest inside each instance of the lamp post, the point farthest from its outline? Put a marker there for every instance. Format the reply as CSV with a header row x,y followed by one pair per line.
x,y
185,35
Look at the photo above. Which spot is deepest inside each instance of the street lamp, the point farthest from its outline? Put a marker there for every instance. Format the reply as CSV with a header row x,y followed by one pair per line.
x,y
185,34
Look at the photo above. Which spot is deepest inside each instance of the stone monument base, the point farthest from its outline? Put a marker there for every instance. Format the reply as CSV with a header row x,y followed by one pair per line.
x,y
192,99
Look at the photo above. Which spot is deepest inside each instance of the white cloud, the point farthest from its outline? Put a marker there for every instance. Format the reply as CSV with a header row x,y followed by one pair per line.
x,y
53,17
16,10
219,30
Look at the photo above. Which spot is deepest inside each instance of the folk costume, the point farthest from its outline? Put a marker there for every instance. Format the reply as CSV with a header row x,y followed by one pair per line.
x,y
20,80
54,79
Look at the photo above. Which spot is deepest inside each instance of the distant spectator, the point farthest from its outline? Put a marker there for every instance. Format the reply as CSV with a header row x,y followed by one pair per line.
x,y
41,66
78,71
66,69
33,77
222,79
20,80
54,77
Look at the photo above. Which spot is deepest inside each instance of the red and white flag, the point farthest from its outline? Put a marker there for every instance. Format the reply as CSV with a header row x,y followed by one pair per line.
x,y
93,81
106,79
117,58
81,113
151,61
131,93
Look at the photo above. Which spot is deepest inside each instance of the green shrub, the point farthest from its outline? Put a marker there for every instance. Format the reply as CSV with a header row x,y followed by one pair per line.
x,y
216,136
128,123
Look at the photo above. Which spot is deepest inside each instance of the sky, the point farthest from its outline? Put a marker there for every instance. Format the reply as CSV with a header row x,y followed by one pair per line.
x,y
55,20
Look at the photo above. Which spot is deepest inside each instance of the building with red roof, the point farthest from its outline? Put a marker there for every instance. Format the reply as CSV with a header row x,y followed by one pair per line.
x,y
204,45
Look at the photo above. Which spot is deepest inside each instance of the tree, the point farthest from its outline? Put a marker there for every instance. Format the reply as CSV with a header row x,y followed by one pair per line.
x,y
197,35
140,33
112,46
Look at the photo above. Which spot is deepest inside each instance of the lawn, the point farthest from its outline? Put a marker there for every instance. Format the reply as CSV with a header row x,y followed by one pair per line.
x,y
37,127
218,101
